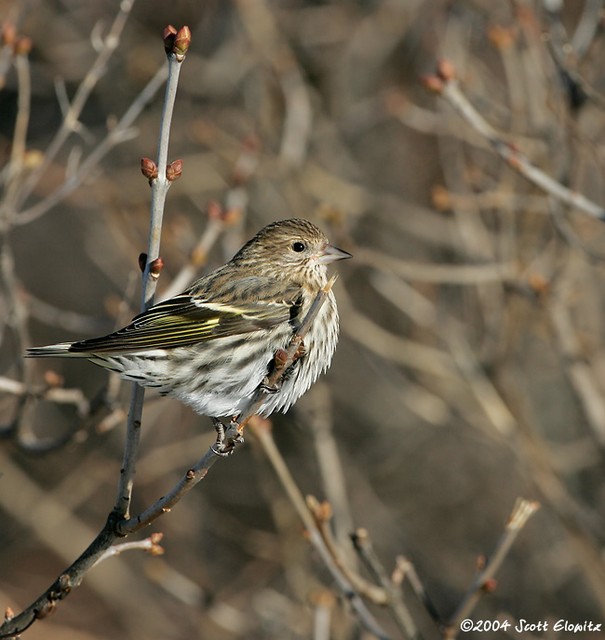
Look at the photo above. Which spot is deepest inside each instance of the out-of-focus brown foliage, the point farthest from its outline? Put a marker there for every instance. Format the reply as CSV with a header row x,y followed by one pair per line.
x,y
471,367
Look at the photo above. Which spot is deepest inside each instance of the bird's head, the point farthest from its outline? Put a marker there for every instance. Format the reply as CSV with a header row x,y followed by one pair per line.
x,y
293,248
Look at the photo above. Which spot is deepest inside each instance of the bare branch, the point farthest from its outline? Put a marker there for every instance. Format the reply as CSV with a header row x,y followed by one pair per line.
x,y
71,117
159,191
522,512
448,87
315,537
151,545
116,136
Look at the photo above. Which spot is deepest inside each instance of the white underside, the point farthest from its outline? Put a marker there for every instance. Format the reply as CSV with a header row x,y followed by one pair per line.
x,y
224,387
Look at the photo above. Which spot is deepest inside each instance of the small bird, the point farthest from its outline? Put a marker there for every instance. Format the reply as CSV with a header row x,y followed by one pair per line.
x,y
213,345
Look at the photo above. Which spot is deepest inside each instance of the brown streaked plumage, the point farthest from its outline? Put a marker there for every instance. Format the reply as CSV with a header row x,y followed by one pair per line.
x,y
211,346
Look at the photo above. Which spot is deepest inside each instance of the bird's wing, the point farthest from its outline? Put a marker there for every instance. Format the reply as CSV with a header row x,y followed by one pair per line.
x,y
191,318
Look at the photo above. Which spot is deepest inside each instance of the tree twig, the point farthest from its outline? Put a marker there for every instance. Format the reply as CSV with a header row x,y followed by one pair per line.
x,y
447,86
99,547
159,190
404,569
265,438
150,544
117,135
70,121
522,512
401,613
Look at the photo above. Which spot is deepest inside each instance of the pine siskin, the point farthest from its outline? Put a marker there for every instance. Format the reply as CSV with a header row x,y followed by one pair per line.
x,y
213,345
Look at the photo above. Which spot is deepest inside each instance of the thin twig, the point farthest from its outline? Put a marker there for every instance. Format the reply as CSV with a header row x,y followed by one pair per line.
x,y
401,613
267,443
324,603
521,513
16,319
448,87
59,395
63,585
159,191
71,117
563,50
104,541
119,134
197,258
404,569
150,544
259,21
578,366
322,514
319,406
17,156
461,274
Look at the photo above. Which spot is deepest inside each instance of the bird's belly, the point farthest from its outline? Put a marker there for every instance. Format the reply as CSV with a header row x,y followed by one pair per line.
x,y
217,377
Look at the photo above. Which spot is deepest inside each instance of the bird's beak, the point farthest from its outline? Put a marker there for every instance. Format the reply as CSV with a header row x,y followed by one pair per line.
x,y
331,254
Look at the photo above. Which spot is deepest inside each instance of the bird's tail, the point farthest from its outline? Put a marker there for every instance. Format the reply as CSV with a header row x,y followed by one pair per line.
x,y
62,349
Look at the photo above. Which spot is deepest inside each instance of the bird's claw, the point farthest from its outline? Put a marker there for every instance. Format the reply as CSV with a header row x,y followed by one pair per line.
x,y
280,360
300,352
226,438
270,388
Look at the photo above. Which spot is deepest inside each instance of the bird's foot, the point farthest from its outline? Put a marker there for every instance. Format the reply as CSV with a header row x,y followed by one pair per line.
x,y
270,388
226,438
300,352
280,361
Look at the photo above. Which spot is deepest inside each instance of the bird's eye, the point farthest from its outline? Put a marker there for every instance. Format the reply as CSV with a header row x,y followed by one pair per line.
x,y
298,246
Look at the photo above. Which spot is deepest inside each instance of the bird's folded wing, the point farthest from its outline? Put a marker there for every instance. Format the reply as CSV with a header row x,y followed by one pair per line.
x,y
186,320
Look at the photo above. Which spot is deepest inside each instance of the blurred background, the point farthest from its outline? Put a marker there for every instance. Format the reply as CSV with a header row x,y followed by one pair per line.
x,y
471,365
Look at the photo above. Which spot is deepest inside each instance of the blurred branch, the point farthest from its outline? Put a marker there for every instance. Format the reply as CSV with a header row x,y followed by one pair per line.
x,y
577,364
199,253
262,432
405,570
452,333
484,581
482,388
324,604
70,321
119,134
393,347
466,274
402,615
567,53
16,318
55,394
17,156
320,420
322,515
385,593
260,24
71,117
448,87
